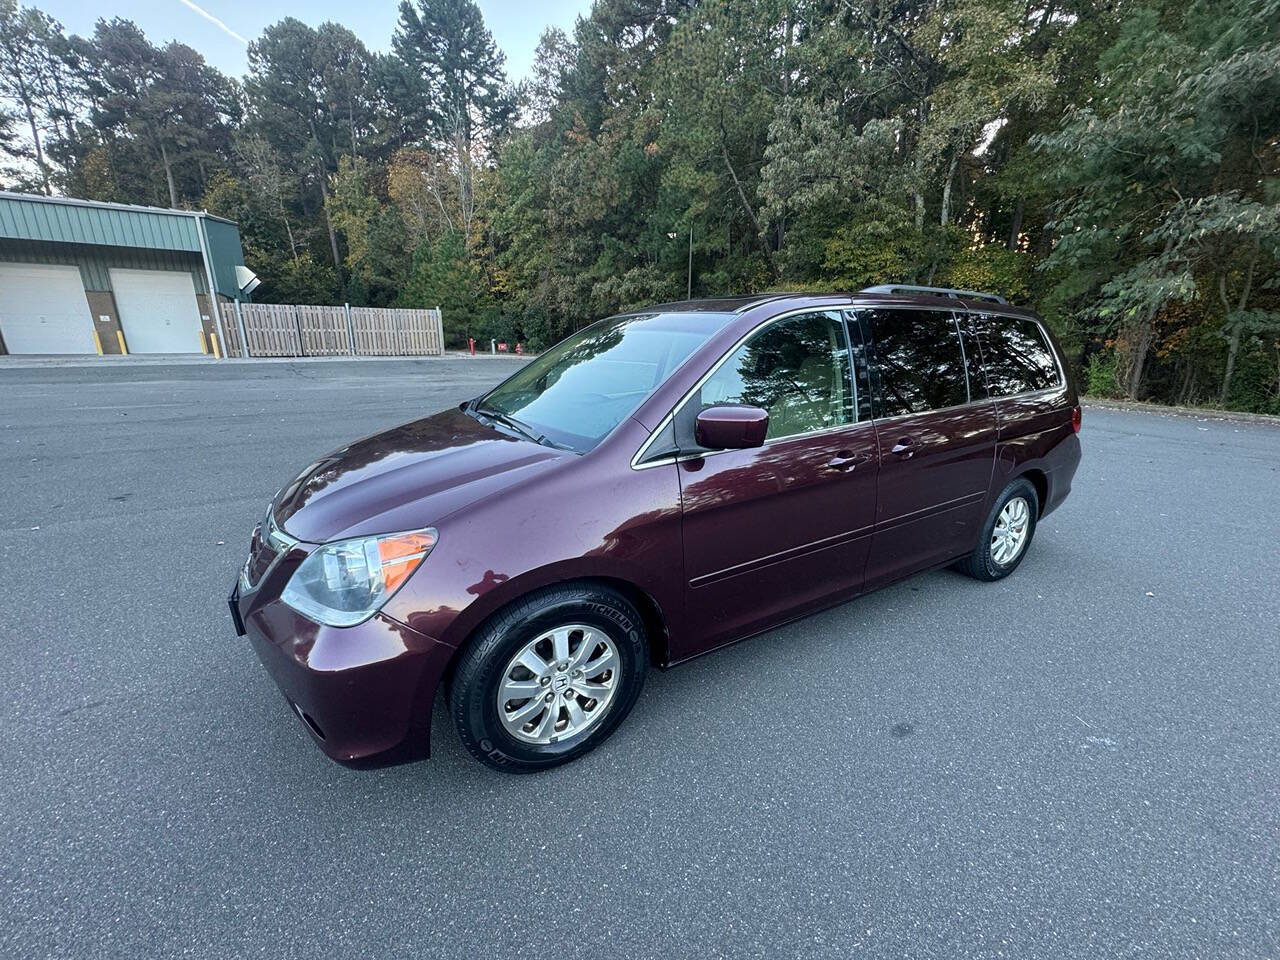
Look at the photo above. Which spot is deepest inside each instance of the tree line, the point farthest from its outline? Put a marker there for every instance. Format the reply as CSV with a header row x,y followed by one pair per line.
x,y
1114,164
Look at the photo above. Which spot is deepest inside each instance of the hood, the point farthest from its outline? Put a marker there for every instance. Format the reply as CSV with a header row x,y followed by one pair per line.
x,y
408,477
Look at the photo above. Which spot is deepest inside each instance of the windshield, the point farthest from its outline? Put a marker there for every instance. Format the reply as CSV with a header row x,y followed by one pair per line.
x,y
584,386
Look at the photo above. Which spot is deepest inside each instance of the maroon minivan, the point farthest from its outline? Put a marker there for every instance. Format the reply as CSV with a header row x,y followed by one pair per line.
x,y
659,484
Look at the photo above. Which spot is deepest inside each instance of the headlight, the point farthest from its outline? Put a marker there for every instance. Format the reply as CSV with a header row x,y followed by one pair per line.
x,y
346,582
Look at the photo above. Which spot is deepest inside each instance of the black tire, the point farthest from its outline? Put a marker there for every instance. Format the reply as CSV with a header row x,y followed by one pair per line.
x,y
473,689
980,564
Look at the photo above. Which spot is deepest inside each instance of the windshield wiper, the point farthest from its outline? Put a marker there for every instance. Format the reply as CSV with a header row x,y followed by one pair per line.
x,y
519,426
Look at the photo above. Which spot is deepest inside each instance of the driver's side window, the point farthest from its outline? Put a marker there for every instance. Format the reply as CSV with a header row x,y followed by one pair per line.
x,y
796,369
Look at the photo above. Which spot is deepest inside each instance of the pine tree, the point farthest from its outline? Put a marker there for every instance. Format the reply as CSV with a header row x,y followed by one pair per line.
x,y
456,87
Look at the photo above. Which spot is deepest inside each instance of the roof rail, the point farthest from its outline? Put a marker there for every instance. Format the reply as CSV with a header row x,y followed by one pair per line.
x,y
935,291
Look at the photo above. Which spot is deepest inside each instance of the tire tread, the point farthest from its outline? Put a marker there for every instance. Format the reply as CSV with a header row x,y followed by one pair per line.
x,y
469,671
978,564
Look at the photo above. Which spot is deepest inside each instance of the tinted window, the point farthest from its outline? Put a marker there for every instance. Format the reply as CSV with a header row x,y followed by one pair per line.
x,y
918,360
796,369
1016,356
584,386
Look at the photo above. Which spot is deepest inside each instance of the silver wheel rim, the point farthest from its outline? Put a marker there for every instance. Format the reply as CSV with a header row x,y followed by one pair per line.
x,y
559,685
1010,533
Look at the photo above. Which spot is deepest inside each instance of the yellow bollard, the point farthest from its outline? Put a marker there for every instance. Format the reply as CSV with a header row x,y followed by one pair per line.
x,y
120,340
203,347
97,340
213,342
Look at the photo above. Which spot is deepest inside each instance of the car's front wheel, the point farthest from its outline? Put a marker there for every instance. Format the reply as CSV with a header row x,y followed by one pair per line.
x,y
549,677
1006,534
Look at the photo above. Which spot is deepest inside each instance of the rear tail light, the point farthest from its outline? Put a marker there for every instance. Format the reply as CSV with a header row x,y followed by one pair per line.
x,y
1075,419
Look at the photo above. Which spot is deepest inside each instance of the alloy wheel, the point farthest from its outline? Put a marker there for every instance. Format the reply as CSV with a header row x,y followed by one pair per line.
x,y
559,685
1009,536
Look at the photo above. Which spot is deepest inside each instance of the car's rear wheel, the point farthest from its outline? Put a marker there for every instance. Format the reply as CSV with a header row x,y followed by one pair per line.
x,y
1006,535
549,677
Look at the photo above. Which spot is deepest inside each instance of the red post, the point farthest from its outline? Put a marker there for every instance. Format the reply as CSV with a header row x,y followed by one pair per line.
x,y
471,344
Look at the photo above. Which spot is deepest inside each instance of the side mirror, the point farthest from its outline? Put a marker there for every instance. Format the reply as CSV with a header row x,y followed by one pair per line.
x,y
731,427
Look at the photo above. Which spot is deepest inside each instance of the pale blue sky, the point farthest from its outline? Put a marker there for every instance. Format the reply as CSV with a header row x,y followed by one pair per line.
x,y
516,24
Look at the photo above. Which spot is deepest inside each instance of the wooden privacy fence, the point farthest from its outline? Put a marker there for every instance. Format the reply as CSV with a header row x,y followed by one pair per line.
x,y
307,330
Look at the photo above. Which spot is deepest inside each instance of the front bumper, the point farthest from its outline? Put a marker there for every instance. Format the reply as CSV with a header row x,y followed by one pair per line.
x,y
364,693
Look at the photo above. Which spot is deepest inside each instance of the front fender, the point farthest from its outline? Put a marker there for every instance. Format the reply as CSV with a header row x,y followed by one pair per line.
x,y
602,519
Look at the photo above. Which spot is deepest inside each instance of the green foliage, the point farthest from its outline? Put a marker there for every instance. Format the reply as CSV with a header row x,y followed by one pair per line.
x,y
1102,375
295,281
165,115
43,91
444,276
450,71
1116,166
1163,178
872,250
991,267
313,94
1256,385
375,235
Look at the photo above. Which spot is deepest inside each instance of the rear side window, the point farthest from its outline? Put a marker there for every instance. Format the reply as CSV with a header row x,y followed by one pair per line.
x,y
1017,358
918,361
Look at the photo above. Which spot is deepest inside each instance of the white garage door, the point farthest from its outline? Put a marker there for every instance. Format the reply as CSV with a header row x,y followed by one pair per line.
x,y
43,309
157,310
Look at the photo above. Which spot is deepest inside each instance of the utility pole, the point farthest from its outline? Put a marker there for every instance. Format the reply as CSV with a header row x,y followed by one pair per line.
x,y
689,292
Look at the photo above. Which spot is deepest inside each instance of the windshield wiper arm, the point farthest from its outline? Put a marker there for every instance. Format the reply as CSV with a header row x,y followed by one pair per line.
x,y
508,420
520,427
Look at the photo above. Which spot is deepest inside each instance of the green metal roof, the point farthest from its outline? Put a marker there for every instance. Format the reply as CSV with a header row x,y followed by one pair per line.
x,y
63,220
31,217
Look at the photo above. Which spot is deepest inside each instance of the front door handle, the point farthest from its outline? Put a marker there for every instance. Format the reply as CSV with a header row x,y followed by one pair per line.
x,y
904,448
846,460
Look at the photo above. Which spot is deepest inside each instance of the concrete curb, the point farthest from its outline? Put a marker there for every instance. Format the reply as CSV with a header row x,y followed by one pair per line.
x,y
1198,413
24,362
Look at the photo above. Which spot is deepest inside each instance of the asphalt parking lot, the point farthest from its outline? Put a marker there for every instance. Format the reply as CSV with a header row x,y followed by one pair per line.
x,y
1081,760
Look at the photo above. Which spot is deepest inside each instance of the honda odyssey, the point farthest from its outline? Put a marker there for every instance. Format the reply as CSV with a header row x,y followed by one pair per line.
x,y
659,484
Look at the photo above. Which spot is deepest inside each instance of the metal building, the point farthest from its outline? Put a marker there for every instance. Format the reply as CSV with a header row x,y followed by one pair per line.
x,y
78,276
